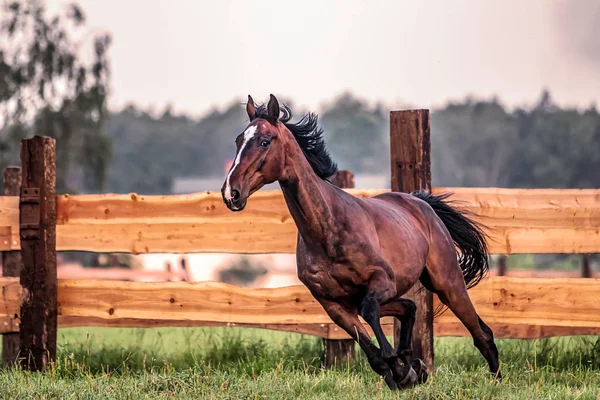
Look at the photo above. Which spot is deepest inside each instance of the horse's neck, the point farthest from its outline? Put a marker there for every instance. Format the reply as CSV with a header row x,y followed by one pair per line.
x,y
308,199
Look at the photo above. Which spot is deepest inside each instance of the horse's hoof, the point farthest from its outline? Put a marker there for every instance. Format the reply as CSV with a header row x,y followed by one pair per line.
x,y
404,375
420,370
498,377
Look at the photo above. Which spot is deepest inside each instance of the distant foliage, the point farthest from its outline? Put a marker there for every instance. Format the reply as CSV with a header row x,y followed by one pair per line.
x,y
474,143
357,134
481,144
155,150
242,273
47,88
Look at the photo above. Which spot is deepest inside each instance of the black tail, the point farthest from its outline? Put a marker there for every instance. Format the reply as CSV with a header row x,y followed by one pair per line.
x,y
467,235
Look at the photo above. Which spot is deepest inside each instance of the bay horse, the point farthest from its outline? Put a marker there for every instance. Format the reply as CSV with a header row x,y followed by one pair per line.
x,y
358,256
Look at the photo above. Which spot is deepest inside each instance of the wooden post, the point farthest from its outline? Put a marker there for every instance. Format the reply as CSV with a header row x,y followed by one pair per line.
x,y
37,219
502,265
411,170
586,270
340,351
11,263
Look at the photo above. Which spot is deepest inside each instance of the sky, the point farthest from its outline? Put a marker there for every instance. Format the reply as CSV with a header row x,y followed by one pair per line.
x,y
197,54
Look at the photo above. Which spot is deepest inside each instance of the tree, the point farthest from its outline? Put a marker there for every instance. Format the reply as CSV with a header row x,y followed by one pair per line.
x,y
356,135
472,144
559,147
47,88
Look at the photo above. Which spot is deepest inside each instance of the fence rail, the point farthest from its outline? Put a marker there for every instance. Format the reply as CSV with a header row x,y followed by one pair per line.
x,y
521,308
520,221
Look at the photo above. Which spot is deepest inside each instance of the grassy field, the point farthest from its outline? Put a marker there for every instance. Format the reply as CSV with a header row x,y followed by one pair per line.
x,y
209,363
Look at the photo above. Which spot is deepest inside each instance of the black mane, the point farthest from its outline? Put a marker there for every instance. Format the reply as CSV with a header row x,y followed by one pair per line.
x,y
309,137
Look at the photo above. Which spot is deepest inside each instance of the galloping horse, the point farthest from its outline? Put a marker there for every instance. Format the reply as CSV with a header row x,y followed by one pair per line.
x,y
359,256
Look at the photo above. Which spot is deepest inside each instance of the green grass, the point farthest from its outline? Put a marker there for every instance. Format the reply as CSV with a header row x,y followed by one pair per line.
x,y
231,363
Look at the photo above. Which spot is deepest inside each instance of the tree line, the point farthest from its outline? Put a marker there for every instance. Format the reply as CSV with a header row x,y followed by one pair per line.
x,y
474,143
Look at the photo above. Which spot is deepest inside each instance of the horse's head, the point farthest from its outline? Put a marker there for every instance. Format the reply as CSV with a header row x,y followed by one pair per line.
x,y
259,158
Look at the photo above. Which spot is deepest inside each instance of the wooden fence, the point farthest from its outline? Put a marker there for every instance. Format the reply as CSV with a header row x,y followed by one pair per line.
x,y
38,222
521,221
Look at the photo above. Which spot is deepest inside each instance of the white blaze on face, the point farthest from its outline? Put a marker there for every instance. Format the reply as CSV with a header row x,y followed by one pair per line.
x,y
248,135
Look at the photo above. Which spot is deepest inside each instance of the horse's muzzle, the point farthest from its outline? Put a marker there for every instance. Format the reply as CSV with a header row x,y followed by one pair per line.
x,y
236,202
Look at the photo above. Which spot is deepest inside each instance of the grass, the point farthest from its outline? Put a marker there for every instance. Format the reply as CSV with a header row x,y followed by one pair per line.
x,y
230,363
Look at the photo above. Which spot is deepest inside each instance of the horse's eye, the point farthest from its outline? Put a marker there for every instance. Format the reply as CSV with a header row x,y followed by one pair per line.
x,y
265,143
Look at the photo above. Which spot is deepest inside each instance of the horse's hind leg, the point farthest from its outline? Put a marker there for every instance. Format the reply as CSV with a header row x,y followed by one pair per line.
x,y
483,337
445,278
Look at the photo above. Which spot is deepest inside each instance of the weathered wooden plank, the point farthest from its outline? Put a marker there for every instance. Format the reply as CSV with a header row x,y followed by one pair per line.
x,y
201,301
521,221
187,237
542,206
540,307
568,302
263,237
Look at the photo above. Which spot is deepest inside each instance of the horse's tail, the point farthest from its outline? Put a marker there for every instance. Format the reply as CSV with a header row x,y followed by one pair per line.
x,y
466,234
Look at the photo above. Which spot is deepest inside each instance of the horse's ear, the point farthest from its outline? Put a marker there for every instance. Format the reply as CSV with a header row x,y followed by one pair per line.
x,y
273,108
250,108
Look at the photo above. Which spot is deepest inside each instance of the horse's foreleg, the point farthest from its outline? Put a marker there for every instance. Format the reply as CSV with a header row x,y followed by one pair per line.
x,y
405,310
381,290
370,310
349,322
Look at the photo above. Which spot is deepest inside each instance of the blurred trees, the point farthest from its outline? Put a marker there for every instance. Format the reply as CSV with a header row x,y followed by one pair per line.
x,y
474,143
358,135
48,86
482,144
242,272
155,150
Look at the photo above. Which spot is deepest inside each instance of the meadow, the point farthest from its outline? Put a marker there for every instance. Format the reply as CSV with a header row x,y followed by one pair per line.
x,y
232,363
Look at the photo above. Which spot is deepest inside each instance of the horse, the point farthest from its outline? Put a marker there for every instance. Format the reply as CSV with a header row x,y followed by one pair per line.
x,y
359,256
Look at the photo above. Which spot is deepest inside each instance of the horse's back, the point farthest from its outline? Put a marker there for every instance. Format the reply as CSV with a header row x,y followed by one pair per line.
x,y
405,204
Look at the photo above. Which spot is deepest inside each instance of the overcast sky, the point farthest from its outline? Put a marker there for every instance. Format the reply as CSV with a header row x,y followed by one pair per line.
x,y
198,54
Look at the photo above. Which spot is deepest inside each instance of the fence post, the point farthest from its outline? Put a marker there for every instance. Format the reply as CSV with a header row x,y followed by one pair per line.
x,y
501,265
11,264
411,170
586,267
339,351
37,220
